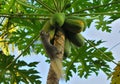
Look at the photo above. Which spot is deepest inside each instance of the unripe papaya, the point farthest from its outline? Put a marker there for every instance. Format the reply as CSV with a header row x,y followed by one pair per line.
x,y
76,38
48,28
74,24
67,48
57,20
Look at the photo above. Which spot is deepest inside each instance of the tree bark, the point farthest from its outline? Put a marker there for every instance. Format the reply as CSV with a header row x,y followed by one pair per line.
x,y
59,44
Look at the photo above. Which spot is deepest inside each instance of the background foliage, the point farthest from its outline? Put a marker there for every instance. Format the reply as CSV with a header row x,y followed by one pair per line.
x,y
21,22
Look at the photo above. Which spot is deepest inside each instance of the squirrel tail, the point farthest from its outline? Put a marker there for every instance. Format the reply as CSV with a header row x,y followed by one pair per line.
x,y
57,67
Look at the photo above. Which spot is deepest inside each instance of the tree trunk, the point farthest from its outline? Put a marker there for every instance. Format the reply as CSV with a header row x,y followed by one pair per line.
x,y
59,44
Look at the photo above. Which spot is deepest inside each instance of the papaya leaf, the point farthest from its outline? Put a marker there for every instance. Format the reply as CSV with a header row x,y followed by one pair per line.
x,y
102,24
6,7
33,64
17,72
89,60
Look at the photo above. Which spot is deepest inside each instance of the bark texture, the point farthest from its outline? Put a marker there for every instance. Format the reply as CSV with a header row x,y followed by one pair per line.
x,y
54,75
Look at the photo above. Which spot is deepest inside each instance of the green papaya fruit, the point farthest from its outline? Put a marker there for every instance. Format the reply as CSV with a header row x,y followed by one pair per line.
x,y
48,28
57,20
76,38
67,48
74,24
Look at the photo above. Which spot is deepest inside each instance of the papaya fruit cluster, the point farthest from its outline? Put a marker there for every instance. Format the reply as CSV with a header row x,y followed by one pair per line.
x,y
71,25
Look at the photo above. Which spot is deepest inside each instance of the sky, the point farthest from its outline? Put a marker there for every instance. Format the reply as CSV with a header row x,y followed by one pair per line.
x,y
111,39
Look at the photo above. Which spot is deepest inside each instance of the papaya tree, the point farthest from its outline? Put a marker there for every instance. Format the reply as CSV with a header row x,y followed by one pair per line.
x,y
53,28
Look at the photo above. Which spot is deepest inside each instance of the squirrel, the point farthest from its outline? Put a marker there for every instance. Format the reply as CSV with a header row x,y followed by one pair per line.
x,y
52,52
50,49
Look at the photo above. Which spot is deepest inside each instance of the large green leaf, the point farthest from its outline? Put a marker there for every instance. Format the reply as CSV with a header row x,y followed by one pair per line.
x,y
87,60
17,72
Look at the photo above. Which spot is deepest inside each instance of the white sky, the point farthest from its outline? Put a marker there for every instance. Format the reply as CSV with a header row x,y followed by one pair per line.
x,y
112,39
